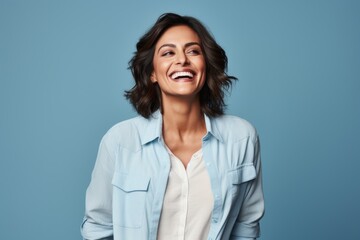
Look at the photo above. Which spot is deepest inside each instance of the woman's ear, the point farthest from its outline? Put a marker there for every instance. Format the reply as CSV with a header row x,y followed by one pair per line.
x,y
153,78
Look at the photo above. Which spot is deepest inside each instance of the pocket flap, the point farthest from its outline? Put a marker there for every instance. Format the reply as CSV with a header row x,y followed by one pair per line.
x,y
243,173
131,182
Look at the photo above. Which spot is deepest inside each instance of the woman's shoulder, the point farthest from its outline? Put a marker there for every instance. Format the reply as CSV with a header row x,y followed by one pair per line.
x,y
127,133
234,127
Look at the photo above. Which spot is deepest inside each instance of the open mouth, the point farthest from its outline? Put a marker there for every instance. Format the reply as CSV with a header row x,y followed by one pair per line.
x,y
185,75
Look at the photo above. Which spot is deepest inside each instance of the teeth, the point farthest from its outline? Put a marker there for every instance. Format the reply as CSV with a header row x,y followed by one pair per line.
x,y
182,74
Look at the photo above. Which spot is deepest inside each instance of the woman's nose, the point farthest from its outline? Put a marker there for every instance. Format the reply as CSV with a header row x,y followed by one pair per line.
x,y
182,59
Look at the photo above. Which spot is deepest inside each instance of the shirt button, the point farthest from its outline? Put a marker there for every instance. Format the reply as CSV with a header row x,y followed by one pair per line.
x,y
214,220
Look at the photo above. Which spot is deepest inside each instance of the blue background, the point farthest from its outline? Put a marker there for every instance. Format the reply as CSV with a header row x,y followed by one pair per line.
x,y
63,70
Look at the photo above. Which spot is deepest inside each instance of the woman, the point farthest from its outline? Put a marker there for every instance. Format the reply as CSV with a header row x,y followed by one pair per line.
x,y
183,169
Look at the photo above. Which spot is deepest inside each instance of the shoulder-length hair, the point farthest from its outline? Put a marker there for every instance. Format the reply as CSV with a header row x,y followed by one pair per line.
x,y
145,96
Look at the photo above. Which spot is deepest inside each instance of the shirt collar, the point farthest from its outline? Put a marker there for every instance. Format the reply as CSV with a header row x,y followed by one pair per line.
x,y
212,129
153,129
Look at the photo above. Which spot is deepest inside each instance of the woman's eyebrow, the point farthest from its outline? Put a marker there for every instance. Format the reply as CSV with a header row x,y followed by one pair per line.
x,y
167,45
174,46
191,44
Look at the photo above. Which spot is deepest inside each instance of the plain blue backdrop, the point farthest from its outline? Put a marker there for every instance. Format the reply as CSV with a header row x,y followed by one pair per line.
x,y
63,70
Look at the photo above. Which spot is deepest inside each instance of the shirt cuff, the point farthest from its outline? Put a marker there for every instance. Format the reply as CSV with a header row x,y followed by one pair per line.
x,y
243,231
90,231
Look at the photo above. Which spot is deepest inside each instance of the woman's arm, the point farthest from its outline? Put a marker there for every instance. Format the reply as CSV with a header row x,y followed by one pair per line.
x,y
97,222
247,224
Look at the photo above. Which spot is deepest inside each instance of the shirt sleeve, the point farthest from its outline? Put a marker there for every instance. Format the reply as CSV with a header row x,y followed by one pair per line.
x,y
247,225
97,223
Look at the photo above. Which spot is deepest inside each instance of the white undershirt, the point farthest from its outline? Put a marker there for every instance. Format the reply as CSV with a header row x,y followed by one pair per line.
x,y
188,201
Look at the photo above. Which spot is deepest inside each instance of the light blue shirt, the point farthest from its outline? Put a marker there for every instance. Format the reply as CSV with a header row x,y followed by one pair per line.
x,y
126,192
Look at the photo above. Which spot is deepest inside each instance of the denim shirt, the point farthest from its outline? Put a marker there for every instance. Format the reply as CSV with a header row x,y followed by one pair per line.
x,y
125,196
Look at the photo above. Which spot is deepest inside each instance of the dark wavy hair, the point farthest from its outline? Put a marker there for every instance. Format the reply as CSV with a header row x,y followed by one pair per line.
x,y
145,96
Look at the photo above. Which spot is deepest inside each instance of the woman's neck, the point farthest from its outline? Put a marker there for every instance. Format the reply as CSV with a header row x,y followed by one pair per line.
x,y
183,128
183,118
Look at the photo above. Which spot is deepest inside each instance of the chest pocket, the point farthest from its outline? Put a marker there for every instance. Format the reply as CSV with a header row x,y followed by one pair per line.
x,y
242,174
129,199
237,177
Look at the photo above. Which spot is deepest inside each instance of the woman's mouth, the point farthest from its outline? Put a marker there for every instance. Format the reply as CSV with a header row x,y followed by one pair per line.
x,y
183,75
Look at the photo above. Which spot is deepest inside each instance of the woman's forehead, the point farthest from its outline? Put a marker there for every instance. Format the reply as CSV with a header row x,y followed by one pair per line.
x,y
178,35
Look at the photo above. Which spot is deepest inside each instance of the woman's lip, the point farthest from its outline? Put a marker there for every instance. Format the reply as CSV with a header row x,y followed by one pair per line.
x,y
182,80
177,75
182,70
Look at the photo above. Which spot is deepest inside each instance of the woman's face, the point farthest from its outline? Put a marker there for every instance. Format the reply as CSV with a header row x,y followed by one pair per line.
x,y
179,63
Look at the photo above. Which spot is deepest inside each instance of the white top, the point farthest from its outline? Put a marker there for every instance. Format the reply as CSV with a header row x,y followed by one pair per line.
x,y
188,201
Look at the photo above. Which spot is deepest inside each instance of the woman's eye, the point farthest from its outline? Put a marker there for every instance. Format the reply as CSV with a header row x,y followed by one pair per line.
x,y
194,52
168,53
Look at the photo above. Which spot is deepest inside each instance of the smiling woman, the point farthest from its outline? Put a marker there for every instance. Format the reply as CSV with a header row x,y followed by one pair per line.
x,y
145,96
182,169
179,65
